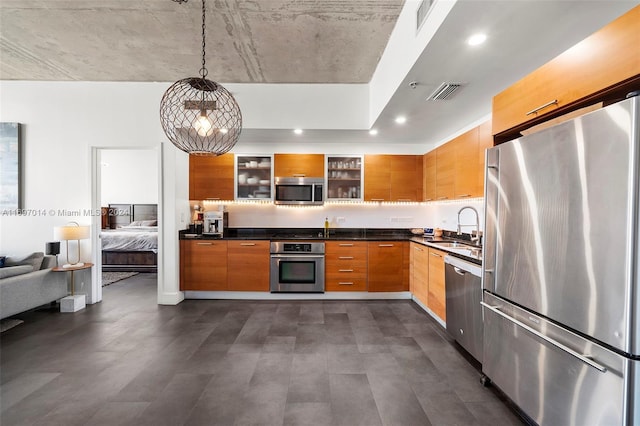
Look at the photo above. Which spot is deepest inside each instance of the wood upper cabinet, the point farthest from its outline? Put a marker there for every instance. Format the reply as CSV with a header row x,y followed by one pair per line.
x,y
392,177
429,176
345,266
485,141
298,165
203,265
445,171
377,177
406,178
466,164
211,177
419,284
386,266
599,62
437,297
248,265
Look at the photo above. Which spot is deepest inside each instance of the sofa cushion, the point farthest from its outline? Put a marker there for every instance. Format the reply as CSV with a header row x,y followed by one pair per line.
x,y
12,271
34,259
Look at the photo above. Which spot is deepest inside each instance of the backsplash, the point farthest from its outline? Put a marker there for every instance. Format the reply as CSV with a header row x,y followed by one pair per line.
x,y
362,215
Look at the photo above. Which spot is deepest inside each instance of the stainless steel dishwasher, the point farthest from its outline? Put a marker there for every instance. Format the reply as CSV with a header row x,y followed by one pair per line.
x,y
464,313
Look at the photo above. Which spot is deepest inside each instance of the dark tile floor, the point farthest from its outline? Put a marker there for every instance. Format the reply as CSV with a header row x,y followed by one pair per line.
x,y
128,361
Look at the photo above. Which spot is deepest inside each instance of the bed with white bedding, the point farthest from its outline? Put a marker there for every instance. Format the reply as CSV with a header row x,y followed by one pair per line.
x,y
131,242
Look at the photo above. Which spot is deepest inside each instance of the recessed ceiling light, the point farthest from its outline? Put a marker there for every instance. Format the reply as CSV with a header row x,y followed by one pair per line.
x,y
476,39
373,132
401,119
298,131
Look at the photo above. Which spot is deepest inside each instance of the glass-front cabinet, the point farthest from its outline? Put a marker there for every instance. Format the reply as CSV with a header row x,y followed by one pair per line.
x,y
344,177
254,177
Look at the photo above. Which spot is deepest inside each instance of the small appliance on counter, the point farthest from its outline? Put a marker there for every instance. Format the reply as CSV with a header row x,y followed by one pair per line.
x,y
214,223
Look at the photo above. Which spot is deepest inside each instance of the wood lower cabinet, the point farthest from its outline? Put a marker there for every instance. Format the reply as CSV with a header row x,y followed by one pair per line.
x,y
346,266
298,165
203,265
437,299
211,178
387,268
419,284
248,265
603,60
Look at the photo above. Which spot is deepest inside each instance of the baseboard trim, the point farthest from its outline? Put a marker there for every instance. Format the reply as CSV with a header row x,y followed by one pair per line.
x,y
257,295
429,311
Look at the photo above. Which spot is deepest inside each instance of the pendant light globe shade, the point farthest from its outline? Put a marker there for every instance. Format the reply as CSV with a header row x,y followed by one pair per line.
x,y
200,116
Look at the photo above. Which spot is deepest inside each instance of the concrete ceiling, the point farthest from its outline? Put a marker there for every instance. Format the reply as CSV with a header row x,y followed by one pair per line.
x,y
260,41
300,41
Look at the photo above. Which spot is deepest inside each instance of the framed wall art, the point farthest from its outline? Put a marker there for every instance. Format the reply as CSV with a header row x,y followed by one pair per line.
x,y
10,166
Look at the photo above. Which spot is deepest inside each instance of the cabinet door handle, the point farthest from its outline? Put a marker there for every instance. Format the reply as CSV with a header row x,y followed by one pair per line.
x,y
299,175
435,254
429,199
345,257
346,245
385,245
377,199
345,283
464,195
405,199
212,198
442,198
345,270
535,110
204,244
247,244
418,248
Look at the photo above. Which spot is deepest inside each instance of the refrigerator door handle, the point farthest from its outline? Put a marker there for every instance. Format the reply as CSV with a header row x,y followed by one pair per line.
x,y
581,357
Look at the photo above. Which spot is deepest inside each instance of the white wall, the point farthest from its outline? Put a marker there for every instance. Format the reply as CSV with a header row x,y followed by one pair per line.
x,y
129,176
62,122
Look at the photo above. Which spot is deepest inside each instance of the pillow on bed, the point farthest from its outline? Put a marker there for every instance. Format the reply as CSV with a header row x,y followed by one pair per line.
x,y
135,223
149,223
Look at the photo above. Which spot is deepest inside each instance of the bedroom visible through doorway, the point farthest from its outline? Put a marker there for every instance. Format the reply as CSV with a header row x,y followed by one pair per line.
x,y
128,199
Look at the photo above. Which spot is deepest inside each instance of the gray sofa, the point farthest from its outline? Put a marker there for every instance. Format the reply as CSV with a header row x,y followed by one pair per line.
x,y
29,282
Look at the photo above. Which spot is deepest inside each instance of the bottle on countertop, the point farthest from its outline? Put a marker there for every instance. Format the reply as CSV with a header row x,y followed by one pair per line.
x,y
326,227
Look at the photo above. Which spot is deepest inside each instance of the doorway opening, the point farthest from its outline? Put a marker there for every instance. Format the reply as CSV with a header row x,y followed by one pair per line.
x,y
127,192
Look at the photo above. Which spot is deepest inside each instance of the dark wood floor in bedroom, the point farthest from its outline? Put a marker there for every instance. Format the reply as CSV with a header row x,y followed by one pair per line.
x,y
129,361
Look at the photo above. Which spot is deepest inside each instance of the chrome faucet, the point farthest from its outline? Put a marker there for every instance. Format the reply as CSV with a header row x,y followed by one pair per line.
x,y
476,236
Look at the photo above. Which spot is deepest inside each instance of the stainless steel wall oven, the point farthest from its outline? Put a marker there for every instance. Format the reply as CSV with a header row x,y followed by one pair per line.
x,y
297,267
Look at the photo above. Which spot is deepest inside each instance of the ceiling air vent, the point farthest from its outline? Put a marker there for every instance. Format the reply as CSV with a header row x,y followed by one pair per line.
x,y
423,12
444,91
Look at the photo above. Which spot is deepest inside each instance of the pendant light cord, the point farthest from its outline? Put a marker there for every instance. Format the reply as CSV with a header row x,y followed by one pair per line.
x,y
203,70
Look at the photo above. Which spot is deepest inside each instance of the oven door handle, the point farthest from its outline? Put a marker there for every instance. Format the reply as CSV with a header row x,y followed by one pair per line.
x,y
297,257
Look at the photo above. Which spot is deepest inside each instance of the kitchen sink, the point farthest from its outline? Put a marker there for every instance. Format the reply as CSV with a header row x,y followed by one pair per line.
x,y
455,244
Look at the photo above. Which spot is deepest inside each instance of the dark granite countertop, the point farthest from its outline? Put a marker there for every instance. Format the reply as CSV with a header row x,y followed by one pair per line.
x,y
354,234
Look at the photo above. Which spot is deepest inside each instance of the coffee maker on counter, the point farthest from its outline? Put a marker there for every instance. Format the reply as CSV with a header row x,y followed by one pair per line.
x,y
214,223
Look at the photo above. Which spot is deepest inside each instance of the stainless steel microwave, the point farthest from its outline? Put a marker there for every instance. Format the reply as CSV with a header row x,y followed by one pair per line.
x,y
299,190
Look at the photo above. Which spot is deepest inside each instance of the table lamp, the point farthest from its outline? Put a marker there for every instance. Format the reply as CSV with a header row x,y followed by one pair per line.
x,y
53,248
70,232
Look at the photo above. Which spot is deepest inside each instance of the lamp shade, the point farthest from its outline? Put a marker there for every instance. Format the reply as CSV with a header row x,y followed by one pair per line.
x,y
52,247
71,232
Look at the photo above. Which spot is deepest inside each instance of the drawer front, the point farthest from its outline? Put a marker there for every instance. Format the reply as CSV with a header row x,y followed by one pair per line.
x,y
248,246
355,249
346,283
353,266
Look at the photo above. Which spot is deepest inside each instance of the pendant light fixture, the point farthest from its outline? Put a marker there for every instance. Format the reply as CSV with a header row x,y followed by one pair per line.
x,y
200,116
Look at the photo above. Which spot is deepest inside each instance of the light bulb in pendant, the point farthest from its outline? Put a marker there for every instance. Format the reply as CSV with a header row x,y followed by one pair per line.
x,y
203,124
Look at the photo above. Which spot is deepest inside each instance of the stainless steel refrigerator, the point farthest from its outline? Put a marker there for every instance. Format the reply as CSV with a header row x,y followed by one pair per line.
x,y
561,269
